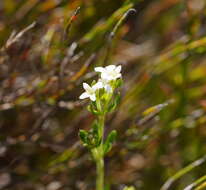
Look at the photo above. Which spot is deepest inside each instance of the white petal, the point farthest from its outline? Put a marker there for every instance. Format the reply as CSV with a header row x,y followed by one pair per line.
x,y
84,95
105,76
98,85
110,67
86,86
92,97
118,76
103,81
118,69
99,69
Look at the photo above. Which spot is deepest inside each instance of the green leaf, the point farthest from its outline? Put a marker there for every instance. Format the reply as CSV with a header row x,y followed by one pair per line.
x,y
84,137
109,141
93,139
95,128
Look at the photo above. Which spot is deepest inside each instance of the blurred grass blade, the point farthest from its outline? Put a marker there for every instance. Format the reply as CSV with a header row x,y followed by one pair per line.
x,y
15,37
176,55
83,69
201,186
156,108
64,156
102,28
182,172
196,183
113,33
69,23
151,112
121,20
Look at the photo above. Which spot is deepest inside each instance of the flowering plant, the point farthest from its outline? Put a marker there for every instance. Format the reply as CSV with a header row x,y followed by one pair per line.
x,y
104,99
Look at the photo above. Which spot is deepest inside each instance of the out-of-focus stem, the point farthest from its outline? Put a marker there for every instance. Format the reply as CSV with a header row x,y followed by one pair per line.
x,y
100,157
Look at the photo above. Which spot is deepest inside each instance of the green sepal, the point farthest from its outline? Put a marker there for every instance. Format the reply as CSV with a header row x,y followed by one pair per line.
x,y
114,104
117,83
109,141
93,82
91,108
101,92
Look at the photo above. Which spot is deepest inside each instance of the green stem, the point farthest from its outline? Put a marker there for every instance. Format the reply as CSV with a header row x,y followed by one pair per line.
x,y
100,174
100,157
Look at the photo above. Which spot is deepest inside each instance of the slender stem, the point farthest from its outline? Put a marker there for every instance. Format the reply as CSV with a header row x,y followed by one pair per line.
x,y
100,174
100,158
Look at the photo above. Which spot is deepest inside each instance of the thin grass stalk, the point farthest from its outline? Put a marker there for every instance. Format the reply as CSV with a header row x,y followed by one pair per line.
x,y
182,172
196,183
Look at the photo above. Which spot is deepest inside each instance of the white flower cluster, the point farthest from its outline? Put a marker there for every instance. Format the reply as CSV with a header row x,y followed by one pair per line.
x,y
108,74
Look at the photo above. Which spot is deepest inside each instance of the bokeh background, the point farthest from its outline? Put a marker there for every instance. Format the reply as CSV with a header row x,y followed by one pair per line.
x,y
46,53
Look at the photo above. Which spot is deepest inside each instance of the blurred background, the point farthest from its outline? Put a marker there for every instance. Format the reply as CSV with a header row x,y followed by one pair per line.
x,y
49,47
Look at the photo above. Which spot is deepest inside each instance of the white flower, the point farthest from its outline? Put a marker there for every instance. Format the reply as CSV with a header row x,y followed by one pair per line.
x,y
90,91
110,72
106,85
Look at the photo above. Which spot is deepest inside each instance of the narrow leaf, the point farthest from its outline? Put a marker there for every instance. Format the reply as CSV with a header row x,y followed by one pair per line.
x,y
109,141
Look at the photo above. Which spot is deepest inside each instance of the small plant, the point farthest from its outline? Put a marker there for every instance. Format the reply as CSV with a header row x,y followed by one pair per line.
x,y
104,99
